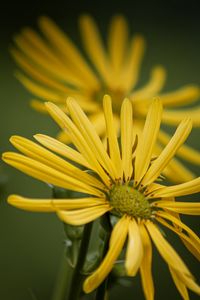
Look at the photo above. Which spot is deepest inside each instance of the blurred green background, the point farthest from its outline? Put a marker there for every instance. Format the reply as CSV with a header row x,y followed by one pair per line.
x,y
31,244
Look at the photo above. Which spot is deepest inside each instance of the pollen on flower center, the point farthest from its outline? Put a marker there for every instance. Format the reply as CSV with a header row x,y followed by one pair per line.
x,y
126,199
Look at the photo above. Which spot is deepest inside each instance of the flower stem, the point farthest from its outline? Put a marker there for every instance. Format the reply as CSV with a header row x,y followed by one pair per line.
x,y
63,280
102,289
77,277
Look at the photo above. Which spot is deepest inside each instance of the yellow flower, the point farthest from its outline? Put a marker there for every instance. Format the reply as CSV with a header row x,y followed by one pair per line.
x,y
55,69
121,181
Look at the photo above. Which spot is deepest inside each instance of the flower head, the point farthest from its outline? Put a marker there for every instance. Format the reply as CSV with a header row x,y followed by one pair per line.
x,y
122,181
56,69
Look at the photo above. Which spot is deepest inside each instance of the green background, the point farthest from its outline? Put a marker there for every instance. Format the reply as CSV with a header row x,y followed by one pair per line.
x,y
31,244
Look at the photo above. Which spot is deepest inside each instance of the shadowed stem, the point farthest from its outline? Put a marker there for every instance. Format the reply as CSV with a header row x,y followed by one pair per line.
x,y
77,277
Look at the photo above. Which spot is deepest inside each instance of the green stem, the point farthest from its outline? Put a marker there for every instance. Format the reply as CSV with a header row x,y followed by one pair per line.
x,y
62,283
105,221
77,277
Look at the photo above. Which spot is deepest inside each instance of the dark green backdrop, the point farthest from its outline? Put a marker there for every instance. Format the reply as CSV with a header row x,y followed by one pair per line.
x,y
31,244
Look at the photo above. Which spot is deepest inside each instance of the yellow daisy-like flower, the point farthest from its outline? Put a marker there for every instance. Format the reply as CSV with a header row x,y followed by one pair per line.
x,y
56,69
121,181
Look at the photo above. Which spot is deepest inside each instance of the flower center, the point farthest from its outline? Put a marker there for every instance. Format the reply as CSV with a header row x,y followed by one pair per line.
x,y
127,200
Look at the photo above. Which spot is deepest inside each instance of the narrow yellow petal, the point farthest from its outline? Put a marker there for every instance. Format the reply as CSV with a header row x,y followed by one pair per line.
x,y
169,151
94,47
145,267
89,134
180,224
154,85
175,171
65,123
147,140
39,90
67,51
47,174
130,72
83,216
114,152
134,252
189,282
185,151
174,117
179,284
48,158
62,149
187,188
52,65
39,75
166,250
127,138
189,241
120,233
52,205
188,208
185,95
117,42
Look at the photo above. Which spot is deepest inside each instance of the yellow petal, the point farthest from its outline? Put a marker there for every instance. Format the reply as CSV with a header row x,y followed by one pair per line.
x,y
62,149
52,205
131,69
179,284
185,95
169,151
189,241
46,157
134,252
187,188
117,42
189,282
47,174
177,172
114,152
188,208
39,90
154,85
82,216
127,138
120,233
185,151
147,140
166,250
181,225
94,47
39,75
89,134
65,123
67,51
48,63
145,267
174,117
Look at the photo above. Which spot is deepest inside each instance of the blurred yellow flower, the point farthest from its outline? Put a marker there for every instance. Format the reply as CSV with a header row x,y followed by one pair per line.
x,y
121,180
56,69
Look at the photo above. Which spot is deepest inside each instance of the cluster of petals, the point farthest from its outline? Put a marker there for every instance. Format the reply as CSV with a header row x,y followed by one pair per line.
x,y
92,170
54,68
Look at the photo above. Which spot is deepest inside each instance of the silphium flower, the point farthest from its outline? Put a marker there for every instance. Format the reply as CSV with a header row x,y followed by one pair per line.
x,y
54,69
122,181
